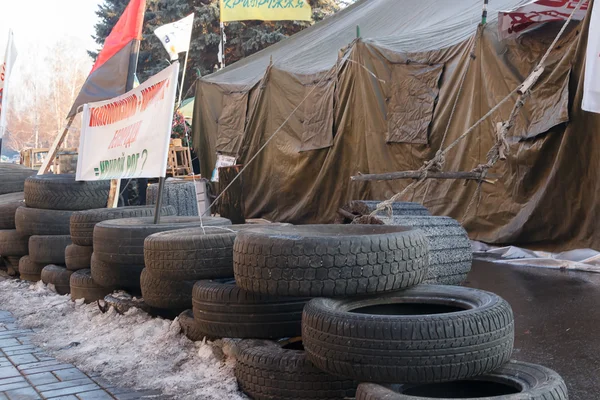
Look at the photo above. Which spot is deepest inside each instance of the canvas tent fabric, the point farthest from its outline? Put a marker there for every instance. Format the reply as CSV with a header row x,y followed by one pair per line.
x,y
411,53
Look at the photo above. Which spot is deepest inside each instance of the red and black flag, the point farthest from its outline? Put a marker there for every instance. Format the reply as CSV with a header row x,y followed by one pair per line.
x,y
108,78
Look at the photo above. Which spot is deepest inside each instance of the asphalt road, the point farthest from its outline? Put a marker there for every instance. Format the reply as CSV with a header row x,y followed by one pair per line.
x,y
557,319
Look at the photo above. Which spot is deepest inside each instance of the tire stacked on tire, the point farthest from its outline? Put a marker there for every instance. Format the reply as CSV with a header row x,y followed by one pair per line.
x,y
50,200
118,257
78,255
374,322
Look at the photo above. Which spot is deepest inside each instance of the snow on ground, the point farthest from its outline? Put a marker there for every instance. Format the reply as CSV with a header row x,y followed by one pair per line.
x,y
131,350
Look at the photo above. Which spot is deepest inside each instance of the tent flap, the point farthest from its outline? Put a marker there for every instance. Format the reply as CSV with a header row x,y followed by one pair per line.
x,y
413,93
318,116
232,122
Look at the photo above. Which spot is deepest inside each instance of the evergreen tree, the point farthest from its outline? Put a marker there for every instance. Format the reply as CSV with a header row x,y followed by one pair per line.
x,y
243,38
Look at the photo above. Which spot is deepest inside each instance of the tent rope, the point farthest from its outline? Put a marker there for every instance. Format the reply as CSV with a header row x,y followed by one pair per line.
x,y
501,147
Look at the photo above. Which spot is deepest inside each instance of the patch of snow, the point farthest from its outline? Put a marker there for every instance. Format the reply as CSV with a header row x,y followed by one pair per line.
x,y
131,350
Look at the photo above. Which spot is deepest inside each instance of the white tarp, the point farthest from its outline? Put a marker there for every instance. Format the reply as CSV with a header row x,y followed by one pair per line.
x,y
6,65
531,15
591,83
128,136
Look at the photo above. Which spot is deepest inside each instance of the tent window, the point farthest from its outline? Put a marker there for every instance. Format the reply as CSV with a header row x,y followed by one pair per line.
x,y
231,122
413,91
317,122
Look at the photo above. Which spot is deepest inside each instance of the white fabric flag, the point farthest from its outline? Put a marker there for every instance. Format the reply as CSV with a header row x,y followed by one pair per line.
x,y
176,37
591,84
6,65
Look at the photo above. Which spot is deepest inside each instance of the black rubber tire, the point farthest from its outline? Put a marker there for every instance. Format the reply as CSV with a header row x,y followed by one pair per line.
x,y
121,241
530,381
329,260
78,257
190,254
29,270
83,222
37,221
48,249
63,192
189,327
366,207
273,373
437,344
115,276
8,207
223,310
13,244
84,287
13,177
164,293
58,276
450,252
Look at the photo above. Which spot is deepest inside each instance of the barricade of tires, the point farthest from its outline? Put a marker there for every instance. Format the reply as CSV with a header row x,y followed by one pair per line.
x,y
78,255
371,321
44,219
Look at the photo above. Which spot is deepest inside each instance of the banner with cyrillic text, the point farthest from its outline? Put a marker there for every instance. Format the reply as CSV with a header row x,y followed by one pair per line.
x,y
128,136
265,10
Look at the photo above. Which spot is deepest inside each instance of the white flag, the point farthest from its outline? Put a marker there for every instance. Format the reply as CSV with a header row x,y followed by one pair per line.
x,y
176,36
6,65
591,83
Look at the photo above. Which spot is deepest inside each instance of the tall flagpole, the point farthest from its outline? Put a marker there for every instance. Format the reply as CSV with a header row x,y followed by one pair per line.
x,y
187,53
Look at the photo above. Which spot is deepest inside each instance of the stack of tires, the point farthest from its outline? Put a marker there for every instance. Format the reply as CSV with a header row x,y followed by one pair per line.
x,y
50,200
118,257
12,245
374,323
78,255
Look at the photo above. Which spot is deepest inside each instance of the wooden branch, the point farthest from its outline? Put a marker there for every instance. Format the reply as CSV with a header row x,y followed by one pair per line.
x,y
390,176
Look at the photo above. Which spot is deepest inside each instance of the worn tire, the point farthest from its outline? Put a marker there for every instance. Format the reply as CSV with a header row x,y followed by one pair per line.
x,y
13,177
177,193
513,381
115,276
13,244
63,192
450,252
226,310
29,270
8,207
121,241
189,327
48,249
83,287
366,207
425,334
329,260
190,254
166,294
78,257
37,221
83,222
273,373
58,276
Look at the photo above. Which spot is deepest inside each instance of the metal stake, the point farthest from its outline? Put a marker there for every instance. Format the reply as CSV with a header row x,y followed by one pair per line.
x,y
161,187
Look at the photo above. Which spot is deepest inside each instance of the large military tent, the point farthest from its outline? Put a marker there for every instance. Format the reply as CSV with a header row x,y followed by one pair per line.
x,y
383,102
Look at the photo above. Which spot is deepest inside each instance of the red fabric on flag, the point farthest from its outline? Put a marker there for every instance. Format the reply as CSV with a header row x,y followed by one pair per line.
x,y
109,74
128,27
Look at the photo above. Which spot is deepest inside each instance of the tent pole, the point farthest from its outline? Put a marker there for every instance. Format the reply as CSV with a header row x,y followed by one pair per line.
x,y
484,13
187,53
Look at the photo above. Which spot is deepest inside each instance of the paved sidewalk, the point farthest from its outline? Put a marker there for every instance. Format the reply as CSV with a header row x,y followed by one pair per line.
x,y
27,373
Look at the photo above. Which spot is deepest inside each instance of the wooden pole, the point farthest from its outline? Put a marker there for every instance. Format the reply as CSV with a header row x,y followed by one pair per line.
x,y
161,188
390,176
49,160
115,184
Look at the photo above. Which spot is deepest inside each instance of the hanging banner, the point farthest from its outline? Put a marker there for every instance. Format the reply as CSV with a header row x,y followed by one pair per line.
x,y
265,10
529,16
591,83
6,65
128,136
